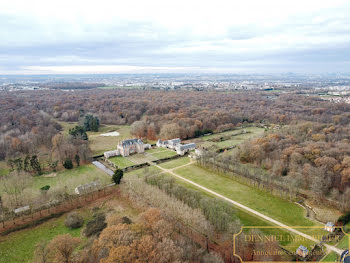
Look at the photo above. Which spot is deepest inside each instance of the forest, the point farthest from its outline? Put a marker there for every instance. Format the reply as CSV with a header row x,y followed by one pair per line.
x,y
303,148
312,148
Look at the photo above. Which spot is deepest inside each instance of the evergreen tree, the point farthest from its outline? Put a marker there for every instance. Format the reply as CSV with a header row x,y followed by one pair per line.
x,y
34,163
68,164
26,163
78,131
77,159
91,123
117,176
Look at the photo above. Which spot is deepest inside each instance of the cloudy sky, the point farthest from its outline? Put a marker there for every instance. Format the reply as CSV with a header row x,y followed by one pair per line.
x,y
246,36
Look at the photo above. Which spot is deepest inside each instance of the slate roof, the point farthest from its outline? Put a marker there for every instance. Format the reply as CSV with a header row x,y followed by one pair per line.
x,y
187,146
131,142
174,141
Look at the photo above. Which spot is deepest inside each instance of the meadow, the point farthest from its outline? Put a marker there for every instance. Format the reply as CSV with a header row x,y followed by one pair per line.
x,y
228,138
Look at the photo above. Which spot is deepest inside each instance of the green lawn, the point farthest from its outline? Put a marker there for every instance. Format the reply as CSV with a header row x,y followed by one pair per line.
x,y
250,220
67,180
331,257
18,247
175,163
164,154
143,171
344,242
155,150
261,201
121,161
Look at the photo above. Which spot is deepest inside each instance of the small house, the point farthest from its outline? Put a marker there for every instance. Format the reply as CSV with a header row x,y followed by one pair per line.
x,y
182,149
87,188
329,227
173,143
110,154
302,251
161,143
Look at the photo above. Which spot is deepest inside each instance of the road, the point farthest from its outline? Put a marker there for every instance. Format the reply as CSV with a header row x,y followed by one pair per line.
x,y
269,219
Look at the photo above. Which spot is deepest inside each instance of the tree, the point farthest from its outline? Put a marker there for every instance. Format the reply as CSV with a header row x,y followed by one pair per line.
x,y
13,185
61,248
74,220
78,132
34,163
68,164
91,123
117,176
139,129
96,225
26,163
77,159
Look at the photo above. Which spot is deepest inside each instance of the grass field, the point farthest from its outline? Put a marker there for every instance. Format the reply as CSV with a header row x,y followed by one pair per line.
x,y
65,181
261,201
143,171
157,149
331,257
72,178
164,154
99,144
175,163
231,140
121,161
18,247
245,218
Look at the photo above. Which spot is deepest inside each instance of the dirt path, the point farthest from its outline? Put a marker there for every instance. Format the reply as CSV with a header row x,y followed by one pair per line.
x,y
252,211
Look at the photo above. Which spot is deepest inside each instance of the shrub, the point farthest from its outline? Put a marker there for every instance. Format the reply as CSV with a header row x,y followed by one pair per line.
x,y
45,188
126,220
68,164
96,225
74,220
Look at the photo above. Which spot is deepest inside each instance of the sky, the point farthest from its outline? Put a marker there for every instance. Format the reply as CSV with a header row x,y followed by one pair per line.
x,y
161,36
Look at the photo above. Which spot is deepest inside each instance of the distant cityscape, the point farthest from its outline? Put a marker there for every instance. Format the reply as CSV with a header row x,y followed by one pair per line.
x,y
335,88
